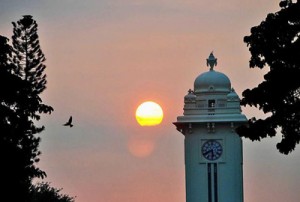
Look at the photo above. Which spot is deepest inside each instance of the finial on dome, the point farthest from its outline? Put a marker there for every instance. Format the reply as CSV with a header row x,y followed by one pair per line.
x,y
211,61
190,91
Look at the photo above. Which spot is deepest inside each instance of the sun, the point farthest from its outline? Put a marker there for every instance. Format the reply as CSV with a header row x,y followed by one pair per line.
x,y
149,114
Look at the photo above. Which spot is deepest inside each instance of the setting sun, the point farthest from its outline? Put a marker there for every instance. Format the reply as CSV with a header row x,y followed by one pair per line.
x,y
149,114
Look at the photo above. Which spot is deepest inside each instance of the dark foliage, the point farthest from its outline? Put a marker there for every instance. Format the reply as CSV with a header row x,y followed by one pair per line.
x,y
275,43
13,171
29,59
43,192
21,83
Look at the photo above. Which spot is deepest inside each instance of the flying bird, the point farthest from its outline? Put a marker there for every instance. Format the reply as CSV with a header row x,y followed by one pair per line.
x,y
69,123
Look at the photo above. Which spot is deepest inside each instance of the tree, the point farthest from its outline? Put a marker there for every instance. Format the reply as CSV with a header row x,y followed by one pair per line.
x,y
12,173
43,192
22,81
30,61
275,43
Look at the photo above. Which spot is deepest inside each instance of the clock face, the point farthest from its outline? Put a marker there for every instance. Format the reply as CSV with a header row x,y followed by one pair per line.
x,y
212,150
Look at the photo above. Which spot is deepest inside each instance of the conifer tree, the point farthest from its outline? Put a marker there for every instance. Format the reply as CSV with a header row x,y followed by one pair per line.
x,y
30,61
22,80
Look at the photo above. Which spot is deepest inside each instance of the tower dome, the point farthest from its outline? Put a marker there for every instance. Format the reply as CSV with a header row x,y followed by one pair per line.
x,y
190,97
232,96
212,81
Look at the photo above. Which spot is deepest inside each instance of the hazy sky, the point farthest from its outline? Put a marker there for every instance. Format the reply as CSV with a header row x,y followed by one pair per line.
x,y
105,57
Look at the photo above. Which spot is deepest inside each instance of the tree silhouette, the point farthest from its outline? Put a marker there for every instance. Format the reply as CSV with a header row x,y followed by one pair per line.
x,y
29,59
275,43
13,169
43,192
22,81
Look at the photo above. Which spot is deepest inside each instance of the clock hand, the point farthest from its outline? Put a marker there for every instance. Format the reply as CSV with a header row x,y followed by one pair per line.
x,y
207,152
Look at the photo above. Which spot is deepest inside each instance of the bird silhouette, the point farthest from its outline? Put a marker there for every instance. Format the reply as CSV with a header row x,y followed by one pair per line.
x,y
69,123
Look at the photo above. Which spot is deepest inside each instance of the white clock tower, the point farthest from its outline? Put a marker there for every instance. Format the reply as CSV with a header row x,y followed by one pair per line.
x,y
213,150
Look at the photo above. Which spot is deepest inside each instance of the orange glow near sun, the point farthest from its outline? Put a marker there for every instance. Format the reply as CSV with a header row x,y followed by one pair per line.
x,y
141,147
149,114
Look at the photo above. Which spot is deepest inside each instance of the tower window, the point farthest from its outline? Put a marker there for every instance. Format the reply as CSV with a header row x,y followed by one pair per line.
x,y
211,103
211,107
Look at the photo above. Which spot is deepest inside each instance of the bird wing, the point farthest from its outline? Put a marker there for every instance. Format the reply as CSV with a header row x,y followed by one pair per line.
x,y
70,119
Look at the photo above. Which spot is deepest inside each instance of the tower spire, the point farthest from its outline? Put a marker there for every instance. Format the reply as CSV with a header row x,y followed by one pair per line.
x,y
211,61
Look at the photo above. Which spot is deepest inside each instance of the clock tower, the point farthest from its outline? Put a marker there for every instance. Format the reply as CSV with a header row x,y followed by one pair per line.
x,y
213,150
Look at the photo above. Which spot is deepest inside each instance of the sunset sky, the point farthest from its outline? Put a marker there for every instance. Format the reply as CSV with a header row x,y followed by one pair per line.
x,y
105,57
